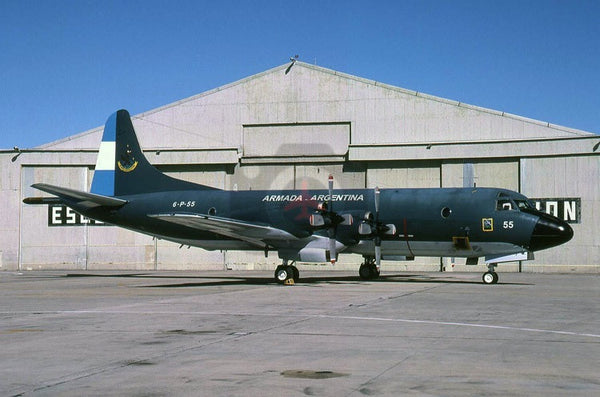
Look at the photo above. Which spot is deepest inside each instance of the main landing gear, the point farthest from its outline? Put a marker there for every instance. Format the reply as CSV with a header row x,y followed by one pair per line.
x,y
285,272
368,269
490,277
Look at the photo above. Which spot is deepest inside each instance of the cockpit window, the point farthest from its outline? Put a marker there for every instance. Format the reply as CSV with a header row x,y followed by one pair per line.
x,y
524,204
504,205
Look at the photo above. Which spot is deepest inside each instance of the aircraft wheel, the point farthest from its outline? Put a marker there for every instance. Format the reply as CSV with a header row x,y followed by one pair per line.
x,y
282,273
490,278
295,273
374,272
365,272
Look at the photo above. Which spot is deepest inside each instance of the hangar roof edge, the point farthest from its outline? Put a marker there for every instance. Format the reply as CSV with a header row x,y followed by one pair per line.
x,y
575,132
377,84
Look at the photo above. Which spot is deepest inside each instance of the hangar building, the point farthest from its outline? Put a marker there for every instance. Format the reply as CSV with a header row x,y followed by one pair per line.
x,y
291,129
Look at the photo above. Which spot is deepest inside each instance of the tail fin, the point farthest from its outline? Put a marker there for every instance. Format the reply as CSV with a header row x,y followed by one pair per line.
x,y
121,167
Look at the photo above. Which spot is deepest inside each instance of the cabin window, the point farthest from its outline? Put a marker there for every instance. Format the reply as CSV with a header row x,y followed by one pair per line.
x,y
445,212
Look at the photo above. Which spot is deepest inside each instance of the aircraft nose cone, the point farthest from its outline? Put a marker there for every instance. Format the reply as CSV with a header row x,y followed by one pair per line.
x,y
549,232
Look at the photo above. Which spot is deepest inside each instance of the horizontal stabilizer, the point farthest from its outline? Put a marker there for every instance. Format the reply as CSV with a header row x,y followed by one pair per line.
x,y
86,199
253,233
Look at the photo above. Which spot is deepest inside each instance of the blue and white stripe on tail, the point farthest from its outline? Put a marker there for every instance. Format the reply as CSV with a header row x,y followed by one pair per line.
x,y
104,175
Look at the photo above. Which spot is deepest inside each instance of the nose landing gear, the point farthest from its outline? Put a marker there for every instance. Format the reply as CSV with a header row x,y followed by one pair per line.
x,y
490,277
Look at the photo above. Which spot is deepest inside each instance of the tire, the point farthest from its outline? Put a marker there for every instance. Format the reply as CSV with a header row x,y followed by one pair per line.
x,y
374,272
282,273
296,273
495,278
489,278
364,272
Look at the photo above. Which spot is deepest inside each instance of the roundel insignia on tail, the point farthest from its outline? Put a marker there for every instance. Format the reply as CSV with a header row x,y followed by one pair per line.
x,y
127,163
127,168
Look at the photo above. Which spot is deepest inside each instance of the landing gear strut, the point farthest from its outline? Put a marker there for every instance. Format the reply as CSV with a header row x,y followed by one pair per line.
x,y
285,272
490,277
368,269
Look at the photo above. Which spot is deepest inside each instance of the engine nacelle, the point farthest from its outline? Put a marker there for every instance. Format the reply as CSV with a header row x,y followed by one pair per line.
x,y
307,254
398,258
317,255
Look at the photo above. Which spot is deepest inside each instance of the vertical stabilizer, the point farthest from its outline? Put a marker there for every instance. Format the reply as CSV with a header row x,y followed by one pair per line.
x,y
121,167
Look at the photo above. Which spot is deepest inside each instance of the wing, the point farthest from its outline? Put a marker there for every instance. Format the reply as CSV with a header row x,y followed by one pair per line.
x,y
259,235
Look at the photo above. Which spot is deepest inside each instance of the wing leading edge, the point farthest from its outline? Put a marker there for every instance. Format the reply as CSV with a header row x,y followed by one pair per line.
x,y
258,235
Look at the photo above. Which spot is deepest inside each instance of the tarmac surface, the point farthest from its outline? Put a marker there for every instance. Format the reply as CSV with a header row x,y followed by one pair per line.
x,y
238,333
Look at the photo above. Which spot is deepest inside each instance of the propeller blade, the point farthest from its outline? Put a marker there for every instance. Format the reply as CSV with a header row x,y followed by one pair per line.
x,y
330,192
377,193
332,229
332,247
378,253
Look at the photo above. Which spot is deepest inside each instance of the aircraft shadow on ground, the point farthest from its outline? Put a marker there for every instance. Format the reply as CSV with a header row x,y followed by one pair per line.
x,y
207,281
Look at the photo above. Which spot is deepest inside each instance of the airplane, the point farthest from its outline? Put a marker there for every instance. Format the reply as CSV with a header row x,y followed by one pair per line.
x,y
308,225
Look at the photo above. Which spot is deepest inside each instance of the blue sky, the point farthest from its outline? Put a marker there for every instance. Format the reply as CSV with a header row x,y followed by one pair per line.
x,y
66,65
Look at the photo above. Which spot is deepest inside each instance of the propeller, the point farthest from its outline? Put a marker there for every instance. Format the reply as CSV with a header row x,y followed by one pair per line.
x,y
371,227
377,237
326,218
332,229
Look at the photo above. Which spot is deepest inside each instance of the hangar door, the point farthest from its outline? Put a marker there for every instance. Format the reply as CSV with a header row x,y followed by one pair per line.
x,y
46,240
